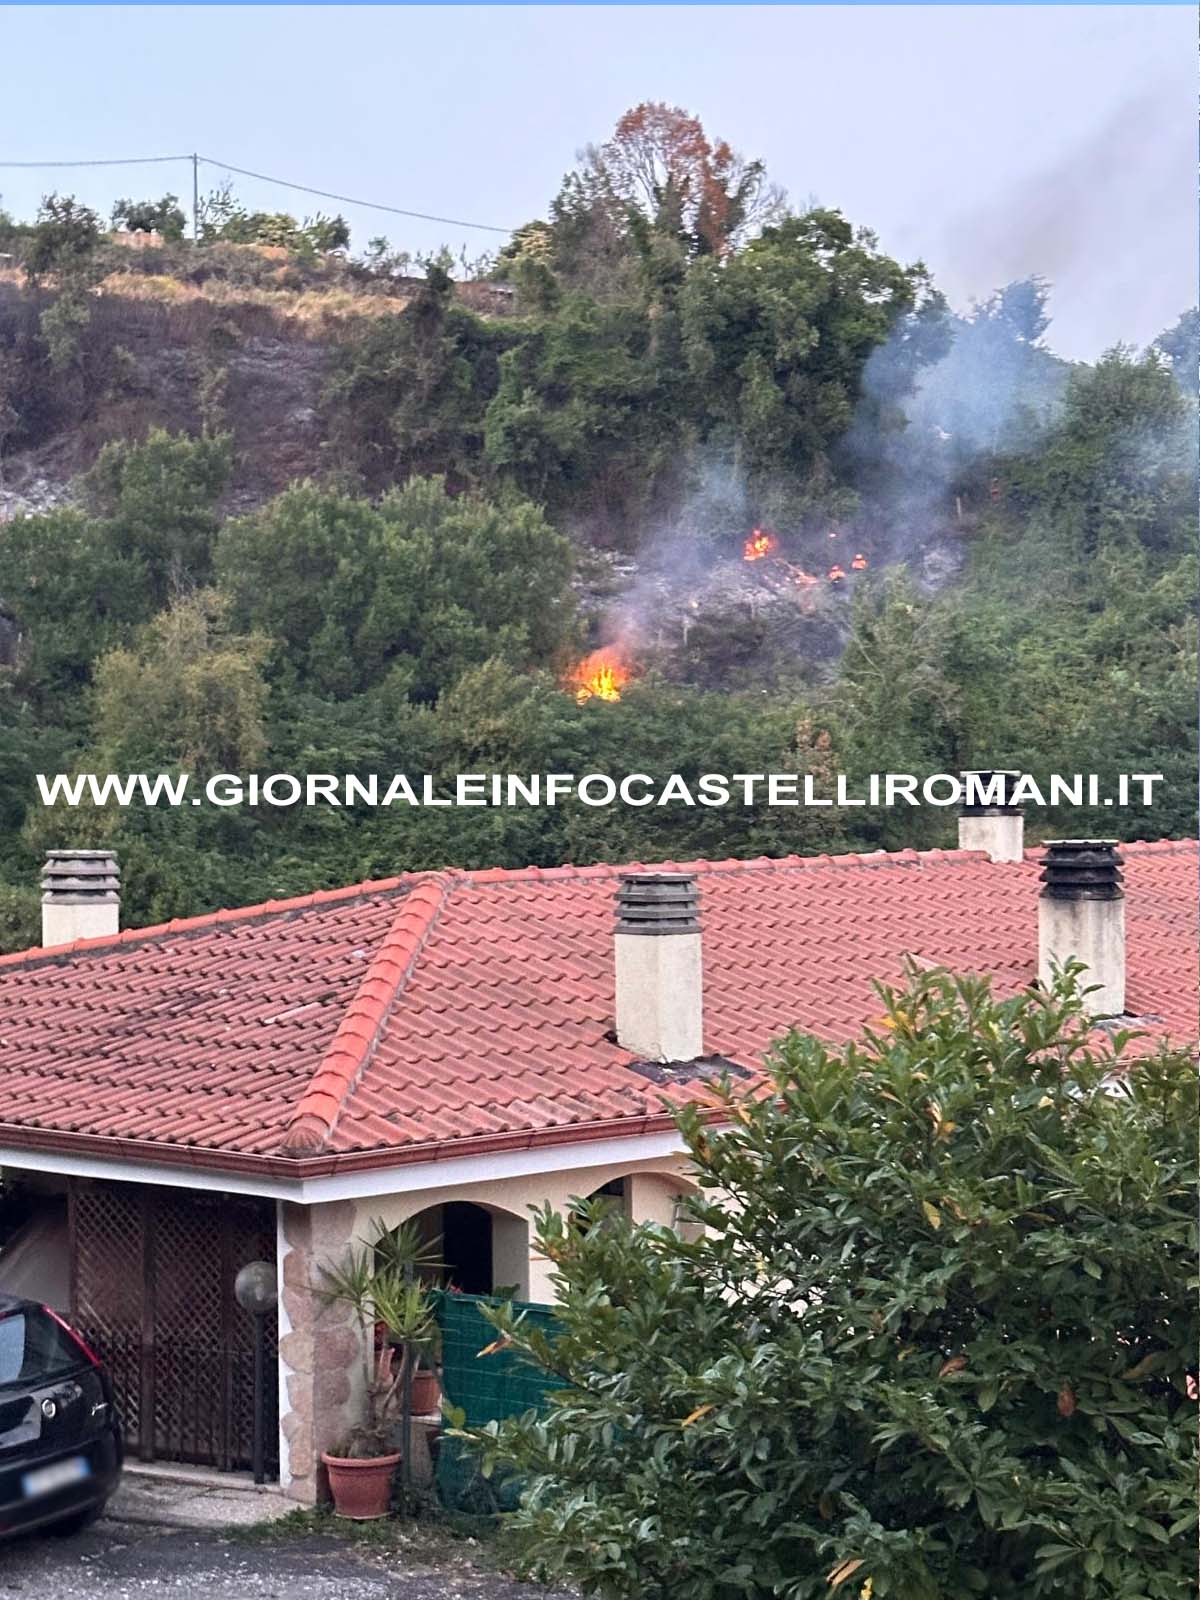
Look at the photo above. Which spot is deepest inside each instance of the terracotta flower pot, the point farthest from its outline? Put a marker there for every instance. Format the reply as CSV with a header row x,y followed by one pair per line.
x,y
362,1490
426,1392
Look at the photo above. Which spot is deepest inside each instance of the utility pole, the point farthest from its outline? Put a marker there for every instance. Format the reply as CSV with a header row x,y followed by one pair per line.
x,y
195,199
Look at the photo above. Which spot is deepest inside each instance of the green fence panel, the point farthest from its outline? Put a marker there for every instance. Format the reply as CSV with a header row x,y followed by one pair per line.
x,y
488,1389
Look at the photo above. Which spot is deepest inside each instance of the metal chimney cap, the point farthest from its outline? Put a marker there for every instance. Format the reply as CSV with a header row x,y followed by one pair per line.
x,y
986,775
658,903
1082,869
78,877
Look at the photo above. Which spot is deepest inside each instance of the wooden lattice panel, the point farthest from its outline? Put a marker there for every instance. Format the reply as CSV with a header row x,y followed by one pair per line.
x,y
154,1289
190,1341
109,1238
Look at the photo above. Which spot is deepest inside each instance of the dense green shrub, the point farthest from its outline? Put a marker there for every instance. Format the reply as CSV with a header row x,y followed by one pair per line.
x,y
939,1338
420,585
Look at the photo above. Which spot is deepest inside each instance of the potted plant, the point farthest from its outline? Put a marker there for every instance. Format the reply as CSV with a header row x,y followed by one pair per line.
x,y
377,1280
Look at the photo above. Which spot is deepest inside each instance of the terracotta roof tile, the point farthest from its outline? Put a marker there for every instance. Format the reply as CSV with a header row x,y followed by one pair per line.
x,y
445,1007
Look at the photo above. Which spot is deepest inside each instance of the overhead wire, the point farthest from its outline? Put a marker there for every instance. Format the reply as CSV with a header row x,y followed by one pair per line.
x,y
263,177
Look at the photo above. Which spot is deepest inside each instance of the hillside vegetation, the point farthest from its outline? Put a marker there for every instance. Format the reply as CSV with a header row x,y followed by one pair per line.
x,y
272,506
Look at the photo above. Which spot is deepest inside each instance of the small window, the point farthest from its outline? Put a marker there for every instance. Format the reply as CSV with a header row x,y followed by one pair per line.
x,y
34,1347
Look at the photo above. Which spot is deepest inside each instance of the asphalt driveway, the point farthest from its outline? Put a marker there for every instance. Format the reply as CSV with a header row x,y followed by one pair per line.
x,y
121,1561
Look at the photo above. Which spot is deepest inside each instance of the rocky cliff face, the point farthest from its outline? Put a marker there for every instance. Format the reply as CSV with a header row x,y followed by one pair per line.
x,y
145,364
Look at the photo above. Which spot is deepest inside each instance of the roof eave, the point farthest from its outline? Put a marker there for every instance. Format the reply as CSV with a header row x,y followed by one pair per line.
x,y
209,1161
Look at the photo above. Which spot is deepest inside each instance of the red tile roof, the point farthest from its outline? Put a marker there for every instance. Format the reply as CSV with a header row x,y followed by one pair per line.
x,y
444,1012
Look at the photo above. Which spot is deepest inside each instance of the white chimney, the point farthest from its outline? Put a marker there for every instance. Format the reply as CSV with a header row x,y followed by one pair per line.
x,y
80,896
659,978
1081,917
986,819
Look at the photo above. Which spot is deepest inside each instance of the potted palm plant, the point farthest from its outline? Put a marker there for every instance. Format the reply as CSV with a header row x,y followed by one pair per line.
x,y
378,1281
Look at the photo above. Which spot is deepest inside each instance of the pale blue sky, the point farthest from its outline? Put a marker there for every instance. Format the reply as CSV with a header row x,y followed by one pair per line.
x,y
992,141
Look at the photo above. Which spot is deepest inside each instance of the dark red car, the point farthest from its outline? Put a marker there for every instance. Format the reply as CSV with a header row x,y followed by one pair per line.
x,y
60,1437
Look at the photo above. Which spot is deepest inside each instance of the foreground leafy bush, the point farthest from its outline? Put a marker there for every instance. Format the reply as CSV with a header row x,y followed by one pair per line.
x,y
937,1342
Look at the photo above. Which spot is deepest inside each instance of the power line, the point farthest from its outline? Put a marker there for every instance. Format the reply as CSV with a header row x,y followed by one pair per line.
x,y
349,200
263,177
126,161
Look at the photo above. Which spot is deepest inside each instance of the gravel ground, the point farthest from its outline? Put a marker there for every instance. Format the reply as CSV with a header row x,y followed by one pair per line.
x,y
118,1561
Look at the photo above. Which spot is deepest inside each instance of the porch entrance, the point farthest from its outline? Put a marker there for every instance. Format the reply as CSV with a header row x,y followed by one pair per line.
x,y
152,1292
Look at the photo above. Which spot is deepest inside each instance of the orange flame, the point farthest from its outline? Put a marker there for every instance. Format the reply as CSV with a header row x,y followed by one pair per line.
x,y
758,545
602,674
860,563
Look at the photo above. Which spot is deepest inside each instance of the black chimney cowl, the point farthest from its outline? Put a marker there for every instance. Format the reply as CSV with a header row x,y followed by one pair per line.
x,y
985,776
1082,869
658,903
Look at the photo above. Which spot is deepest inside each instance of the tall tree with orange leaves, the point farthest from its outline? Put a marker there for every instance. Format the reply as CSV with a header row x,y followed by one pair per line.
x,y
661,166
658,193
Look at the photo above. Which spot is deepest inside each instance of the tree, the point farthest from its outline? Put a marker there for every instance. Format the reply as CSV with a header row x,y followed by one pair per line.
x,y
655,195
223,219
150,216
1181,346
898,699
324,234
415,589
20,918
407,393
62,242
217,208
998,386
80,583
1119,466
660,166
584,416
74,595
777,339
159,497
189,696
62,245
936,1337
1020,309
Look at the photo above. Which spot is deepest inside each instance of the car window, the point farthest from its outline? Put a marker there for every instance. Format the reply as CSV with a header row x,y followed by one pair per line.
x,y
33,1346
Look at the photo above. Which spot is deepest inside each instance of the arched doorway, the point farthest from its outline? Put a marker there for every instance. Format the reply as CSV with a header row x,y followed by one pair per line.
x,y
482,1249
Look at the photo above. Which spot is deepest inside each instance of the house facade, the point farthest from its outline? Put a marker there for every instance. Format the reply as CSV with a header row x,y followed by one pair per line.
x,y
456,1048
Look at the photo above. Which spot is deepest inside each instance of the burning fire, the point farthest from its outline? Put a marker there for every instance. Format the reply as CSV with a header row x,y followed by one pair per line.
x,y
758,545
860,563
602,674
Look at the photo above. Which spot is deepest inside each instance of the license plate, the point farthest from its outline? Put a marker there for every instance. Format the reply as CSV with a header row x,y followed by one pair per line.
x,y
56,1476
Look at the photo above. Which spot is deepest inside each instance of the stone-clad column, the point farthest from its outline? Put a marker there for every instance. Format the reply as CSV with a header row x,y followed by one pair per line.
x,y
320,1346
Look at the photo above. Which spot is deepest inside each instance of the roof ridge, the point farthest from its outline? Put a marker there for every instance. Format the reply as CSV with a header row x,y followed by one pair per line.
x,y
849,858
313,1121
209,919
1138,846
